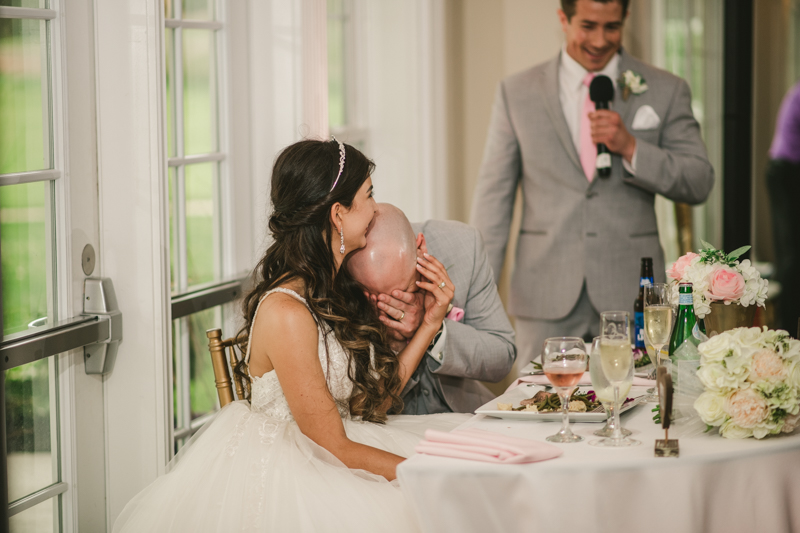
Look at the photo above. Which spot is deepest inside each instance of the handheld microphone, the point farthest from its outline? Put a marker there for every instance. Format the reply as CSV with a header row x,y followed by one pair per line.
x,y
601,92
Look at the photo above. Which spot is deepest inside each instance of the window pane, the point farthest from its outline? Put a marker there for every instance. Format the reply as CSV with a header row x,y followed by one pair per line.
x,y
168,9
24,257
32,458
202,387
169,36
191,366
173,233
40,518
198,9
199,92
336,69
24,96
24,3
202,257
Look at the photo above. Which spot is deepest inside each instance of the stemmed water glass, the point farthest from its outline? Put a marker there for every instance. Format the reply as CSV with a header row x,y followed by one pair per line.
x,y
616,361
564,362
604,391
658,317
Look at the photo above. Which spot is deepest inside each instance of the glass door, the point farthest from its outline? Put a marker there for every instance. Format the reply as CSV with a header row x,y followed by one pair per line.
x,y
30,203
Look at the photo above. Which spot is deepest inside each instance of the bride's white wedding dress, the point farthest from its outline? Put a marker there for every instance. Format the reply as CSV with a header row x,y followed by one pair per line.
x,y
252,469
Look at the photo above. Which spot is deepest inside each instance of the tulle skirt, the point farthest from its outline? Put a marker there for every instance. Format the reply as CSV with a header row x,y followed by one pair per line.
x,y
250,472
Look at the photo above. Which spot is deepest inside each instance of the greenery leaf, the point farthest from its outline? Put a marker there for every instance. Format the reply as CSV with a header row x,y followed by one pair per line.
x,y
706,246
737,252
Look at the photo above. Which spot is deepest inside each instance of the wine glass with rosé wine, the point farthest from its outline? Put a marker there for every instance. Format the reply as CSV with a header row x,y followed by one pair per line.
x,y
564,362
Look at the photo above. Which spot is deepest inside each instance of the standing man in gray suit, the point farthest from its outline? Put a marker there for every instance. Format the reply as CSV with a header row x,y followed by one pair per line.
x,y
582,236
476,341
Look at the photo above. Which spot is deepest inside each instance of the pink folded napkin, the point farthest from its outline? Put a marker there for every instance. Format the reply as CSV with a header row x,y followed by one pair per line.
x,y
479,445
541,379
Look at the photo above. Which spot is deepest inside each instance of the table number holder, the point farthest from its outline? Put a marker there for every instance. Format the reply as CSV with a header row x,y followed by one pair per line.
x,y
665,447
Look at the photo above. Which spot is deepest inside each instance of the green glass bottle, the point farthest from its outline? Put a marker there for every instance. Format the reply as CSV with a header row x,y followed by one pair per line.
x,y
686,321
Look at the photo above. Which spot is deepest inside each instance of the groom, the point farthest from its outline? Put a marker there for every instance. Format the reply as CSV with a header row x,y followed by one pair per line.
x,y
476,341
583,235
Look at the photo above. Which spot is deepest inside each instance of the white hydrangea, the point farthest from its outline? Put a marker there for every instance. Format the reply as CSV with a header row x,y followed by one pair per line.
x,y
755,288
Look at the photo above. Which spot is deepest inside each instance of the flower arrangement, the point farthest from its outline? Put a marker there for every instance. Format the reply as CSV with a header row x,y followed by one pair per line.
x,y
752,383
718,277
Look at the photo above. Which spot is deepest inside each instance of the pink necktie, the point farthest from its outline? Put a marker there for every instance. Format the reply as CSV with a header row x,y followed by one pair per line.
x,y
588,148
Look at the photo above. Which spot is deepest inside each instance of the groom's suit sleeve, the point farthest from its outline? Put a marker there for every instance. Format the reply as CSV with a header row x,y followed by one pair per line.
x,y
678,167
482,346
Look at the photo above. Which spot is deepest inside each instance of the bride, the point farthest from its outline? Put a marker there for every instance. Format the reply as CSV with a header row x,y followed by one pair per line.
x,y
314,450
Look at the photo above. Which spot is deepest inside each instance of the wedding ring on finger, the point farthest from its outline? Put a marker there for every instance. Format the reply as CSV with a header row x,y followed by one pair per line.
x,y
442,285
402,316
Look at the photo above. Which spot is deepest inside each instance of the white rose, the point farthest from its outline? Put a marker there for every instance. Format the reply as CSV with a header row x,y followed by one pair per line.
x,y
715,349
729,430
747,337
710,407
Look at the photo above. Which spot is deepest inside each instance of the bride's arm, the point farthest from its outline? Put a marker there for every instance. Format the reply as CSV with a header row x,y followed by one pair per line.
x,y
286,336
437,299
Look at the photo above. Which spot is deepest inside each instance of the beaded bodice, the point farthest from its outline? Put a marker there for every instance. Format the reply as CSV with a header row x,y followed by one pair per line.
x,y
266,394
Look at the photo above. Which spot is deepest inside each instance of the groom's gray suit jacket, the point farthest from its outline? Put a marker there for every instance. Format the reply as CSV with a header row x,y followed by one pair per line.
x,y
481,347
572,230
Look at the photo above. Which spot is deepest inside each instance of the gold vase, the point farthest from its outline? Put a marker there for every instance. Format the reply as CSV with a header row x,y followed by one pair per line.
x,y
724,317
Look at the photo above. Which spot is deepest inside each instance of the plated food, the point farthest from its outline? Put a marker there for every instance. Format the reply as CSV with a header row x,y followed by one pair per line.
x,y
524,403
549,402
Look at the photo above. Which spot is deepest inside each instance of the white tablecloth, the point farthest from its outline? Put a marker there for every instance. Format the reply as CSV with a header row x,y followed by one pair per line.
x,y
716,485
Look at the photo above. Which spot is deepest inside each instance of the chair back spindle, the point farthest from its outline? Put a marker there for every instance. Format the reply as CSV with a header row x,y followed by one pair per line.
x,y
222,376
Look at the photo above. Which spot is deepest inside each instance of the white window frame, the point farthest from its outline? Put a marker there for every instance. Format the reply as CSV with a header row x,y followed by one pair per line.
x,y
355,131
223,206
59,270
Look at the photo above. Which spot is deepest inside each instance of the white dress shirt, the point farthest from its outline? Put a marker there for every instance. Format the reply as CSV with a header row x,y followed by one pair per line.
x,y
572,93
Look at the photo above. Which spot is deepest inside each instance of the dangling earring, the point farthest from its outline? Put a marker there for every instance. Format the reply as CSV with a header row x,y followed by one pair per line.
x,y
341,235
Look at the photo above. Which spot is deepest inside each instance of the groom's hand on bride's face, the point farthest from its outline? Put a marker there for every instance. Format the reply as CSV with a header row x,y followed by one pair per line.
x,y
402,313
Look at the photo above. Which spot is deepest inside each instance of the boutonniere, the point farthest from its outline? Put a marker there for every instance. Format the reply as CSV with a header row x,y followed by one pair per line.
x,y
631,83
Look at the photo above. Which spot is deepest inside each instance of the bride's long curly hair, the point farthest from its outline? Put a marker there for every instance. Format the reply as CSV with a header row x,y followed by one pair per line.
x,y
300,224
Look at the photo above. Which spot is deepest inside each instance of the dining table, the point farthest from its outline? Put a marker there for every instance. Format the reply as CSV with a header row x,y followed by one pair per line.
x,y
714,485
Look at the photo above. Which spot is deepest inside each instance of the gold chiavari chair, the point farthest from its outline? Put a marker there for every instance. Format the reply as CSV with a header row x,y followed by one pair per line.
x,y
222,372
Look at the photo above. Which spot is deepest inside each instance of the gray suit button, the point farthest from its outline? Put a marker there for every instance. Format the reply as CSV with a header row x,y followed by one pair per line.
x,y
426,392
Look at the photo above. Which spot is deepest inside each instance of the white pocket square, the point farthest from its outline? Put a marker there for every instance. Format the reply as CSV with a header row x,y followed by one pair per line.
x,y
646,118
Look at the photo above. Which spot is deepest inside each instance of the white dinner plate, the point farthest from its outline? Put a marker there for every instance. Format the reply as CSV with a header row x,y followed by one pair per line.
x,y
515,395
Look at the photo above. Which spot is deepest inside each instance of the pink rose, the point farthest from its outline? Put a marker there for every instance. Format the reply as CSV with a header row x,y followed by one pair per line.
x,y
679,266
746,407
725,284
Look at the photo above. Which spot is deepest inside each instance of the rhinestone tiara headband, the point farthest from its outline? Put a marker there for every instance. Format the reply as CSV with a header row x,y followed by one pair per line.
x,y
341,161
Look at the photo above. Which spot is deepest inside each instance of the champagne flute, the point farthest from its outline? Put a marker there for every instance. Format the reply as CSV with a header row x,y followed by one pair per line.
x,y
658,317
605,391
616,360
564,362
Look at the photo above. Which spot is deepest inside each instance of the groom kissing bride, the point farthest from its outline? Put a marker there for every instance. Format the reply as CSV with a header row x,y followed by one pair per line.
x,y
476,340
314,448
